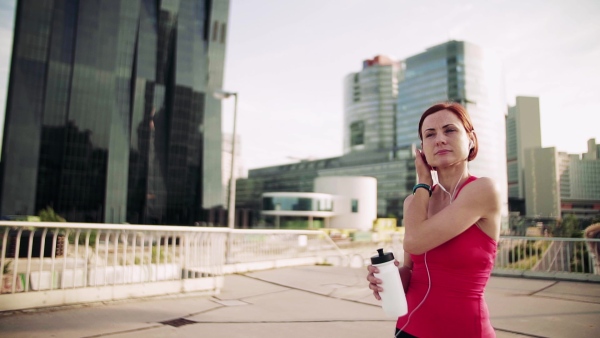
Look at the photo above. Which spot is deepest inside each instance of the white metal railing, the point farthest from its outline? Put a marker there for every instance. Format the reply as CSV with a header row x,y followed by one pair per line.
x,y
259,245
259,249
564,258
70,260
81,262
542,257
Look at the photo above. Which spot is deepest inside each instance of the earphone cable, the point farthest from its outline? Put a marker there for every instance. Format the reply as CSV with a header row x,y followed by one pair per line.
x,y
423,301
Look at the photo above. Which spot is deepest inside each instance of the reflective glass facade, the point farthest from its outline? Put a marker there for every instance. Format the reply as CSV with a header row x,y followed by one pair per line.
x,y
110,116
288,203
461,72
523,131
370,106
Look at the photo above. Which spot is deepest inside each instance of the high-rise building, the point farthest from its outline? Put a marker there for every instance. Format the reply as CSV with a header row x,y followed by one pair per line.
x,y
461,72
523,131
110,115
593,152
558,183
542,182
370,105
583,194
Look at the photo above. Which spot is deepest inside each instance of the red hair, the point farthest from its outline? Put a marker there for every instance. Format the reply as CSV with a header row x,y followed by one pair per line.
x,y
462,115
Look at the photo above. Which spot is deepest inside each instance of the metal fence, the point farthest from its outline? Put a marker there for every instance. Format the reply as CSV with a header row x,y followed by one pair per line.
x,y
548,257
575,259
48,264
259,249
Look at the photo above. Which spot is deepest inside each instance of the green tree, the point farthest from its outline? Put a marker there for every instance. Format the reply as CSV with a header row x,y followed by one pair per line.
x,y
567,227
48,215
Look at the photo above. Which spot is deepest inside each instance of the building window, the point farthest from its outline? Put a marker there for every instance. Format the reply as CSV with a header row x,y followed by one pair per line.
x,y
357,133
325,204
354,205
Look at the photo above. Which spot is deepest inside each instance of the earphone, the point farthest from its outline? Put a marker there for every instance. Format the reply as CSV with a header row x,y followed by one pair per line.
x,y
471,145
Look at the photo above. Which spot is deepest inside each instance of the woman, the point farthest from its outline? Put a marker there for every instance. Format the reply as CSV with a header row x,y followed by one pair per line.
x,y
451,230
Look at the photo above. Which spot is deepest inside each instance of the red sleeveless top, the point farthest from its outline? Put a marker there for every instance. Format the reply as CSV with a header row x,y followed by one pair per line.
x,y
459,270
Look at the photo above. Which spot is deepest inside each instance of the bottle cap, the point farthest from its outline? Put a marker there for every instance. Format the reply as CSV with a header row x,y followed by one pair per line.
x,y
382,257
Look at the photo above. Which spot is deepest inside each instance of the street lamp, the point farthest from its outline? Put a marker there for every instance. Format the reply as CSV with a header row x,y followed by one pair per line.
x,y
222,95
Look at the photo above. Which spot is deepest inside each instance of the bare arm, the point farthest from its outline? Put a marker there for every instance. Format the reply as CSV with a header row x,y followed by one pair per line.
x,y
478,200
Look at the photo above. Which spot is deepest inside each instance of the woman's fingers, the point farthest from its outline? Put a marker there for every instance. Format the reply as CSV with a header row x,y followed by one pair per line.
x,y
372,269
375,287
376,295
374,281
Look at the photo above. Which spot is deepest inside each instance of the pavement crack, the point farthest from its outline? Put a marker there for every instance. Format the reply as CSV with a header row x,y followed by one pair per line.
x,y
568,299
203,312
124,331
259,295
544,288
311,292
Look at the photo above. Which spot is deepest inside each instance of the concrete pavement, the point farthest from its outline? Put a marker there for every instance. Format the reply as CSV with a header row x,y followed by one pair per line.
x,y
307,301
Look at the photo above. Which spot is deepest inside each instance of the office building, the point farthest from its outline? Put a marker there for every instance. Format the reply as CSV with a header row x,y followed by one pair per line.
x,y
339,202
370,105
395,178
593,152
558,183
523,131
542,182
583,196
110,115
461,72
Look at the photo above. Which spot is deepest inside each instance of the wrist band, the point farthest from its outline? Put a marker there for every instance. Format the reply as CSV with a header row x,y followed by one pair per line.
x,y
424,186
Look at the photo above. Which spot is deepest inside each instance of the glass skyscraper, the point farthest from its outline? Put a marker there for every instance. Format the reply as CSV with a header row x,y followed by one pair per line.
x,y
370,105
461,72
109,115
523,131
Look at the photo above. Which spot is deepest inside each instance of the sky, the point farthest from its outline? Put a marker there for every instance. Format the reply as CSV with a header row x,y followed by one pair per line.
x,y
287,61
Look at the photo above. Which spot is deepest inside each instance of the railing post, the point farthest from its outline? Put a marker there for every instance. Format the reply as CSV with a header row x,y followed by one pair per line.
x,y
229,248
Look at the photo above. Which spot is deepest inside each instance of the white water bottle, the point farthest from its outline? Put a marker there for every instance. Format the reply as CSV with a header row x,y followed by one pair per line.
x,y
392,296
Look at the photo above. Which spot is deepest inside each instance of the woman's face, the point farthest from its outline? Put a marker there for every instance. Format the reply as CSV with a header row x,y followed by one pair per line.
x,y
445,140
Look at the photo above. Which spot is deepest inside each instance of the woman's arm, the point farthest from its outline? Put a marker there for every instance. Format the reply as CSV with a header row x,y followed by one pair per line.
x,y
479,199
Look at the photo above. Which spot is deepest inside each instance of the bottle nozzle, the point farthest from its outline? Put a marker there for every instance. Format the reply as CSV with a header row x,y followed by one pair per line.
x,y
382,257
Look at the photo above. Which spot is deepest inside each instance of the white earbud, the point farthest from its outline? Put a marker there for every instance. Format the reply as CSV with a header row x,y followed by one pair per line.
x,y
470,145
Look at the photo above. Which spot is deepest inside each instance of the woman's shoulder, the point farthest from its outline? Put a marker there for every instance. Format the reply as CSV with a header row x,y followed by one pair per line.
x,y
483,186
484,182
